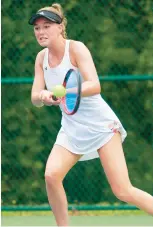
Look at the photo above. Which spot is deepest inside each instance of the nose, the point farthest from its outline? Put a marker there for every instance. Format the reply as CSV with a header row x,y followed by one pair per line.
x,y
41,31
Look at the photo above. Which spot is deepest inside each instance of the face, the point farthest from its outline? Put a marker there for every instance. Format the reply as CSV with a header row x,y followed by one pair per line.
x,y
46,31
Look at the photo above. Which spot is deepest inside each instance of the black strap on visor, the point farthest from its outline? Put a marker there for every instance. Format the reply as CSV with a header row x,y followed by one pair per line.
x,y
48,15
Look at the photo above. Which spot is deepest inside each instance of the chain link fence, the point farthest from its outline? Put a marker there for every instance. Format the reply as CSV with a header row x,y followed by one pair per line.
x,y
119,36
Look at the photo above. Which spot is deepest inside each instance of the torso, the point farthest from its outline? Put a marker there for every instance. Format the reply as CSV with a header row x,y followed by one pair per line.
x,y
91,121
53,61
55,70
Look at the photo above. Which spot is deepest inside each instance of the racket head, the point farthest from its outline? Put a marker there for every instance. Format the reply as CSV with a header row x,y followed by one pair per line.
x,y
71,100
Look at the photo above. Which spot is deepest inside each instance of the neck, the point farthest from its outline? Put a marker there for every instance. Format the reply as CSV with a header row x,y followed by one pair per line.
x,y
58,47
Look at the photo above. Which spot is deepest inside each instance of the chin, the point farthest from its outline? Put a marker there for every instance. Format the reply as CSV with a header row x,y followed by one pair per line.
x,y
43,44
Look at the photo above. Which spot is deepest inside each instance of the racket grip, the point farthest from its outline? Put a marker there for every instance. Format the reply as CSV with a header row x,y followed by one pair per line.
x,y
54,98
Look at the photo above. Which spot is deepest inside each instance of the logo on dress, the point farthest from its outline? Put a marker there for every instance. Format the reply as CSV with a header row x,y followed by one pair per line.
x,y
46,68
114,126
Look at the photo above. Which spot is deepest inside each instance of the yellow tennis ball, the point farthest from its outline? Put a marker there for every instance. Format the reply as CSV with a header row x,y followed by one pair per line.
x,y
59,91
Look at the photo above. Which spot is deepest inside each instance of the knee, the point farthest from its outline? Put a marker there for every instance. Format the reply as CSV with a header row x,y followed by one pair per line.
x,y
52,178
123,193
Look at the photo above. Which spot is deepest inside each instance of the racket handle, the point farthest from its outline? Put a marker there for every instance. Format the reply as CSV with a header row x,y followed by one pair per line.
x,y
54,98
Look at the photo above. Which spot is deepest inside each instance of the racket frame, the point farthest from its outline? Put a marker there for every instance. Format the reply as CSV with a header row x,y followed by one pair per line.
x,y
68,74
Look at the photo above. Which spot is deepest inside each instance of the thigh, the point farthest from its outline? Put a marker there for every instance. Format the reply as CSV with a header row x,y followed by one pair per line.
x,y
113,161
60,161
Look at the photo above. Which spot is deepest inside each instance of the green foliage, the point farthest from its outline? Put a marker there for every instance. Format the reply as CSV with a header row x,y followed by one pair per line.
x,y
119,36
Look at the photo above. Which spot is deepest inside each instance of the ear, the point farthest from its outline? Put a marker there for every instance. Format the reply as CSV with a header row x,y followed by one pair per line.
x,y
61,27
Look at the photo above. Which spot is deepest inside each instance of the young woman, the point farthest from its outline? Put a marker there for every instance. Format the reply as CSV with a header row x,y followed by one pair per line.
x,y
95,129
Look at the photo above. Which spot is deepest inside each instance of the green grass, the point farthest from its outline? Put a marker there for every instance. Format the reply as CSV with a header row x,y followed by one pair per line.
x,y
78,219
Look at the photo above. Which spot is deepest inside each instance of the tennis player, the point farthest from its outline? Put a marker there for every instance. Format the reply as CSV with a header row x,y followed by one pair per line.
x,y
95,129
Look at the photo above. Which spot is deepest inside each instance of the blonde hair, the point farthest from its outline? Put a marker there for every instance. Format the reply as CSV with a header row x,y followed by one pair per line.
x,y
57,8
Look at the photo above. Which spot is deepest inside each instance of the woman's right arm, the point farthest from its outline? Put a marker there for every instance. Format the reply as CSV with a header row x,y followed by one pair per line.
x,y
40,96
38,83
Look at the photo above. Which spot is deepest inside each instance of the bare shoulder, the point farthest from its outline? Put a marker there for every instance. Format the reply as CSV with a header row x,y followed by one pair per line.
x,y
77,47
40,57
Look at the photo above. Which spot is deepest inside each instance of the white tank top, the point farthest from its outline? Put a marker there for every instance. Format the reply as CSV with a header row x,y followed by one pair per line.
x,y
88,127
55,76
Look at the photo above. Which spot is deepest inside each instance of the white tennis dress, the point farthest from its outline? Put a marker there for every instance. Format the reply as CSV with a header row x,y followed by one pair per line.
x,y
92,126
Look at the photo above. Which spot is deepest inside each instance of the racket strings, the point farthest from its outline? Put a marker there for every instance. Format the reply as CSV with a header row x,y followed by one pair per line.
x,y
73,87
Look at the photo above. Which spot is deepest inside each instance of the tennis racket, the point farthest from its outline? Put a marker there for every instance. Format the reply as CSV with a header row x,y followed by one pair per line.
x,y
71,101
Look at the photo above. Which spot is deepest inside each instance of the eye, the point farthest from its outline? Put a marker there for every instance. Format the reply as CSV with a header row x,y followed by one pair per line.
x,y
47,26
36,28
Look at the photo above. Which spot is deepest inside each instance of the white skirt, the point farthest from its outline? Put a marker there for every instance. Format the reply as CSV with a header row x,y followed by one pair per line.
x,y
90,128
62,140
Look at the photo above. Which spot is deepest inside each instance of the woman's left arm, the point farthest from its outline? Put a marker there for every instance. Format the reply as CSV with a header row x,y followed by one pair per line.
x,y
91,85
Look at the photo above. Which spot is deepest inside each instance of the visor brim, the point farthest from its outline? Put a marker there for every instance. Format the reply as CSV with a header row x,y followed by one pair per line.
x,y
45,14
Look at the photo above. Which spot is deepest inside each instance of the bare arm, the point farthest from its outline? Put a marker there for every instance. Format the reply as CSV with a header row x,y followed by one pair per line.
x,y
39,83
84,61
39,96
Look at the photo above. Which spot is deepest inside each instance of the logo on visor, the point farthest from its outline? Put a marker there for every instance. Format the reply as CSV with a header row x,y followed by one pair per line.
x,y
42,13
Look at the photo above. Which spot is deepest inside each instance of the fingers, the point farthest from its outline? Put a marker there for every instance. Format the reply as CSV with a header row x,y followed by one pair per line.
x,y
48,99
56,101
45,97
